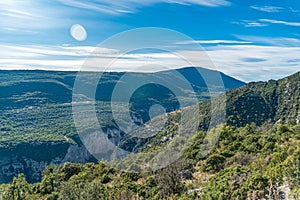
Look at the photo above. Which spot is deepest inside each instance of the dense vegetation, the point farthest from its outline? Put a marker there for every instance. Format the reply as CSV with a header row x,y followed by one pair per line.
x,y
247,163
257,156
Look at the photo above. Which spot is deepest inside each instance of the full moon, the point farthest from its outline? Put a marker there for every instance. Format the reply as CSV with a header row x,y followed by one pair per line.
x,y
78,32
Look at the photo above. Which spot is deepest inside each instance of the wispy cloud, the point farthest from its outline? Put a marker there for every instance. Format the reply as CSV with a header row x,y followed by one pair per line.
x,y
58,52
273,21
18,9
26,16
210,3
255,62
250,23
12,12
214,42
129,6
247,62
264,22
269,9
294,10
95,6
17,31
274,41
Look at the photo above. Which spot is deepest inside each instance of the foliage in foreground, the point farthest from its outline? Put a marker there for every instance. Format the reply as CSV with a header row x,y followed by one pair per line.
x,y
247,163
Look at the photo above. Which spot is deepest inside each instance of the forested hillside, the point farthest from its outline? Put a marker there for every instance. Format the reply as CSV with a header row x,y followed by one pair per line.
x,y
247,163
36,121
36,105
257,156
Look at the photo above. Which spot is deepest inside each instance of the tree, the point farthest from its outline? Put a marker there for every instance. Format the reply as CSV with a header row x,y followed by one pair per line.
x,y
169,180
17,190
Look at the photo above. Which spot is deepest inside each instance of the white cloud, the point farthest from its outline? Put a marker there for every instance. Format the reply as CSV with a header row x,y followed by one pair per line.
x,y
273,21
264,22
294,10
269,9
254,62
49,57
17,13
91,6
128,6
275,41
247,62
34,51
31,16
22,10
210,3
214,42
250,23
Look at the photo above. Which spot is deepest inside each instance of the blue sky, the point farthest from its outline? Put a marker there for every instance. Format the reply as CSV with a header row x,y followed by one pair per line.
x,y
250,40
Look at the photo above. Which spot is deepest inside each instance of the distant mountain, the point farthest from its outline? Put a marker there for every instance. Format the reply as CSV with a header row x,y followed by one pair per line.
x,y
20,89
26,88
191,74
36,122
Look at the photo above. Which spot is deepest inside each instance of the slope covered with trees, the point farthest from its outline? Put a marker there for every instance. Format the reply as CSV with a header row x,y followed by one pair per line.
x,y
261,102
257,156
36,121
35,106
246,163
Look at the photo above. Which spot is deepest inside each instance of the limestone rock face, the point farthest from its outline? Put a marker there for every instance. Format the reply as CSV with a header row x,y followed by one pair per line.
x,y
12,163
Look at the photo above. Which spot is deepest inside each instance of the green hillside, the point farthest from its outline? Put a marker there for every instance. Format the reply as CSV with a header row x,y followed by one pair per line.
x,y
257,156
247,163
36,121
262,102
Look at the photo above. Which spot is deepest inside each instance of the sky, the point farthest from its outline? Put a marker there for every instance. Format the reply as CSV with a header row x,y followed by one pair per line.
x,y
249,40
